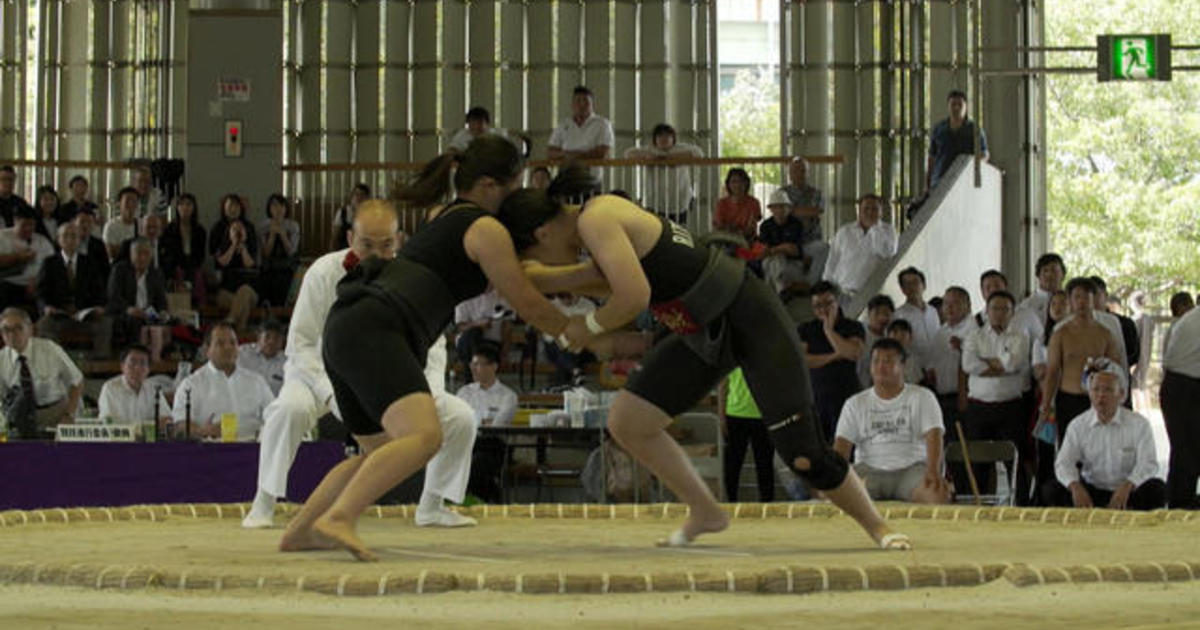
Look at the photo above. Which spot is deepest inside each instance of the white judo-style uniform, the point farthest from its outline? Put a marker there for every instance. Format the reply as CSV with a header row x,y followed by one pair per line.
x,y
307,395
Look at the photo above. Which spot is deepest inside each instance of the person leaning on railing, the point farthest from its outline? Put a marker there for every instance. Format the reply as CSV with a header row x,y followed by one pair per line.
x,y
669,188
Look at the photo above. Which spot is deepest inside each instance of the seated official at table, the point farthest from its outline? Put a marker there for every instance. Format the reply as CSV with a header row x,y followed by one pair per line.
x,y
39,384
221,387
494,403
127,399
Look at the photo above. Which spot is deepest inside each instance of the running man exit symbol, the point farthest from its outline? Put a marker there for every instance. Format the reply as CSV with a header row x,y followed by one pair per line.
x,y
233,138
1134,57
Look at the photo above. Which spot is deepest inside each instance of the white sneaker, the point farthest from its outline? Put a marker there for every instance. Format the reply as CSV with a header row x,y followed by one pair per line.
x,y
444,518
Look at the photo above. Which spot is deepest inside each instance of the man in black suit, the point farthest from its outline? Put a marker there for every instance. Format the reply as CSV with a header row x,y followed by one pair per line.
x,y
66,286
137,299
90,245
151,229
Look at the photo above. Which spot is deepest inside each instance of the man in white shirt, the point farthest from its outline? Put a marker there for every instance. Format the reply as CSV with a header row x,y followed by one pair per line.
x,y
493,402
585,135
668,189
879,315
266,356
38,369
126,399
896,432
921,316
151,200
945,354
124,226
859,247
22,252
219,388
307,393
1115,448
480,318
1050,271
479,123
996,361
1180,399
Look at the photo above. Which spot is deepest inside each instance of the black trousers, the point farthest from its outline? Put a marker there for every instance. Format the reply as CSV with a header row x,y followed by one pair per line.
x,y
1005,420
1180,400
1151,495
743,433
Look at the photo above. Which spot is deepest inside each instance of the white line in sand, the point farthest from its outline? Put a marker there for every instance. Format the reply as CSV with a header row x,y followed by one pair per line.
x,y
711,552
446,556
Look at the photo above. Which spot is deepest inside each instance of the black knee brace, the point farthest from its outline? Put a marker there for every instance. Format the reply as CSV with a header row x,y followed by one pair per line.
x,y
799,436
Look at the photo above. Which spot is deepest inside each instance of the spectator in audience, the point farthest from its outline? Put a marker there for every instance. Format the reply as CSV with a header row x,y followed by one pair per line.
x,y
738,211
923,318
879,314
234,246
952,137
859,247
1074,341
22,251
782,233
151,200
945,354
219,388
266,356
743,426
1180,399
1050,272
539,178
78,201
494,403
914,368
137,299
343,221
669,187
72,295
124,226
1101,315
990,282
47,213
151,229
479,122
1108,457
895,430
583,135
1128,329
10,201
40,372
935,303
832,345
185,245
995,358
1181,303
1057,311
127,399
477,319
91,247
280,251
808,205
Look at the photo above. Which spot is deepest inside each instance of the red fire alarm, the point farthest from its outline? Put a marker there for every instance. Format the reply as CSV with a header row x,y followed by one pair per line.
x,y
234,137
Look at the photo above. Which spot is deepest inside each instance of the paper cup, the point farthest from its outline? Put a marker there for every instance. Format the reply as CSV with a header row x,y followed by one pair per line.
x,y
229,427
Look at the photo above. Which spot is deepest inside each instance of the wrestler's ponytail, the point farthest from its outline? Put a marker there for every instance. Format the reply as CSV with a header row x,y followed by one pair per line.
x,y
486,156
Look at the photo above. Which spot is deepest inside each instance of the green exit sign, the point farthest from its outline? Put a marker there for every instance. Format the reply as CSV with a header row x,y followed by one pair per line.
x,y
1134,57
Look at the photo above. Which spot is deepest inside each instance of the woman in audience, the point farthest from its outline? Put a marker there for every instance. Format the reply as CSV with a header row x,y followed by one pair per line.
x,y
280,236
186,243
78,202
738,211
47,207
344,219
234,246
721,316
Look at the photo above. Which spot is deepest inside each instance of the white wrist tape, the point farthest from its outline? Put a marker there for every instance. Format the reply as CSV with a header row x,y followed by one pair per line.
x,y
593,326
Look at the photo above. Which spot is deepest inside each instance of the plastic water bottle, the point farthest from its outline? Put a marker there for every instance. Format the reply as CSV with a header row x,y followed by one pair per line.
x,y
3,427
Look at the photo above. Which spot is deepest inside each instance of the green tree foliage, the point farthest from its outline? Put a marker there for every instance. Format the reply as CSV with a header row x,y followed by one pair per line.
x,y
750,122
1123,160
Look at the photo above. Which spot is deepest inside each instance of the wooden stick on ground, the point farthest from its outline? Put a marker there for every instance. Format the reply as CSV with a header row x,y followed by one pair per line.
x,y
962,443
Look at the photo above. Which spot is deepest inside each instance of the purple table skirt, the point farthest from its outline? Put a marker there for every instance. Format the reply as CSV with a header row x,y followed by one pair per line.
x,y
37,475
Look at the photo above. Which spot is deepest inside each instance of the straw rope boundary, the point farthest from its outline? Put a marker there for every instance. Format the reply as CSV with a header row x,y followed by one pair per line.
x,y
656,511
792,579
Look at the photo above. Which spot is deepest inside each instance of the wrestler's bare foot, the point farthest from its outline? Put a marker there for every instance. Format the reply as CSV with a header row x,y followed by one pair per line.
x,y
889,540
304,539
342,532
694,526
